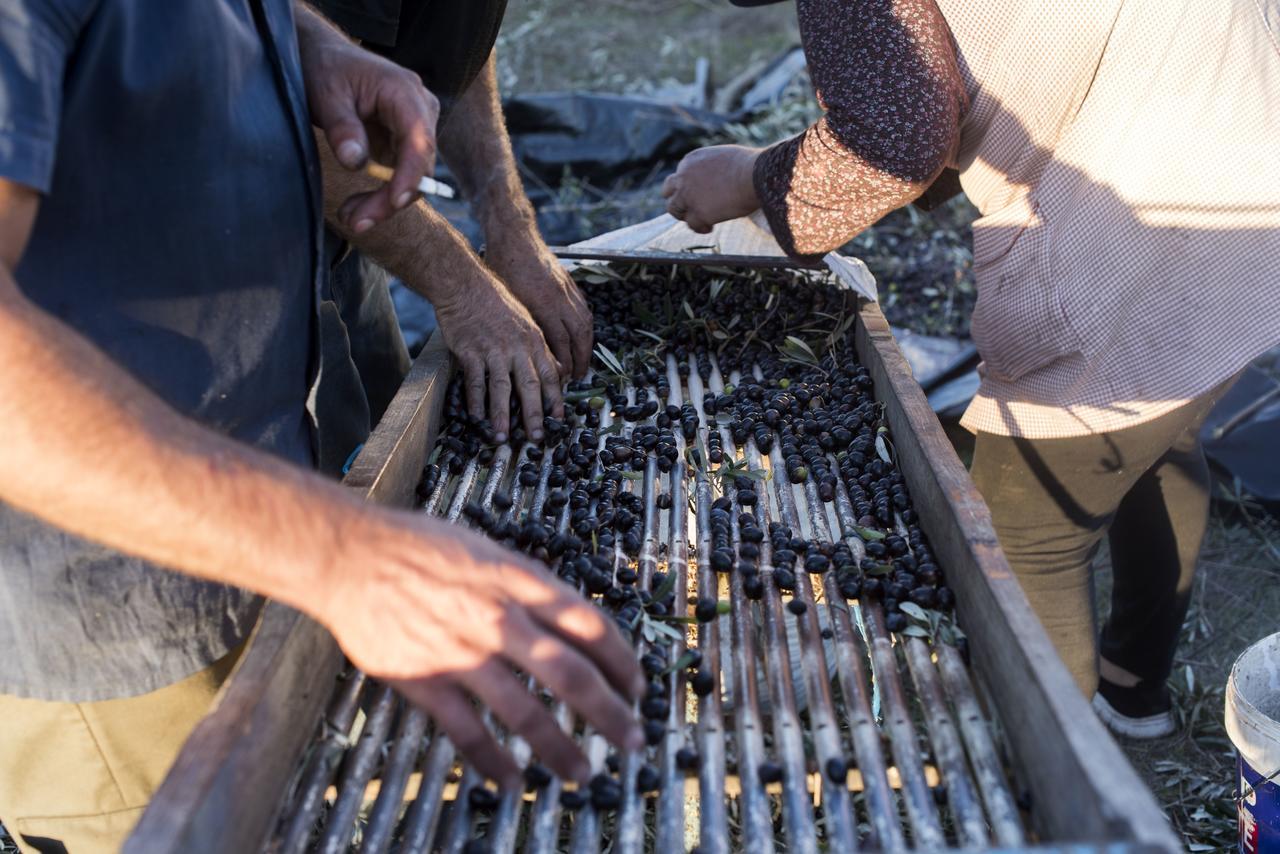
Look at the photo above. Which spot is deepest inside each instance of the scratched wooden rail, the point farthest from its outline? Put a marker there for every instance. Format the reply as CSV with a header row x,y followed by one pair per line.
x,y
302,753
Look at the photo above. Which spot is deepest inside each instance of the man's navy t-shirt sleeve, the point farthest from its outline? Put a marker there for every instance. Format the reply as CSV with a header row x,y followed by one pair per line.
x,y
36,38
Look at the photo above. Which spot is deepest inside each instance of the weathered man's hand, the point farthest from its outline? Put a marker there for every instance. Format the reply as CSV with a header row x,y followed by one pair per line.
x,y
535,276
712,185
444,615
368,107
491,333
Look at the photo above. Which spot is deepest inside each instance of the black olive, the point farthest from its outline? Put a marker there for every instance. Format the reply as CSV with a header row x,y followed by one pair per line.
x,y
481,798
837,770
606,797
770,772
655,708
946,598
706,609
797,606
687,759
925,597
703,683
648,779
654,732
536,776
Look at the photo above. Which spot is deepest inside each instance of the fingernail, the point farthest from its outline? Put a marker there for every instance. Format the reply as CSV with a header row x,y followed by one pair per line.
x,y
635,739
363,225
499,437
536,435
404,199
351,153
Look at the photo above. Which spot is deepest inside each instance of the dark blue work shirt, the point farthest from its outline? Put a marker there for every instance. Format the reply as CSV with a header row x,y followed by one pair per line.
x,y
179,231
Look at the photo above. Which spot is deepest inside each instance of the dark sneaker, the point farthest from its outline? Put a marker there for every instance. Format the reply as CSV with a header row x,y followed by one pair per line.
x,y
1143,711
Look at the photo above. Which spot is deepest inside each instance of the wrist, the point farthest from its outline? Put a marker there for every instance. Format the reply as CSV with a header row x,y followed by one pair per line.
x,y
356,549
745,177
506,215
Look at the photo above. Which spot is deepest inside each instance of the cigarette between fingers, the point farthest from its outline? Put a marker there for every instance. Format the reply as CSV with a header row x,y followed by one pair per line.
x,y
427,186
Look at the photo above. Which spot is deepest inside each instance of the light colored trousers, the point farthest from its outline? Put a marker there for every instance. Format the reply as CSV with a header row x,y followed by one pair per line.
x,y
75,777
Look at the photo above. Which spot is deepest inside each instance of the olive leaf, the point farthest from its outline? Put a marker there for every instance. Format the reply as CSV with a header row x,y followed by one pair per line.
x,y
642,312
883,447
610,360
915,631
868,533
681,663
668,584
586,394
660,628
879,569
914,611
717,285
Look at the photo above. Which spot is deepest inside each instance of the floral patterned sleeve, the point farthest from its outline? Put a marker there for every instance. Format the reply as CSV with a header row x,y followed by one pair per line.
x,y
887,79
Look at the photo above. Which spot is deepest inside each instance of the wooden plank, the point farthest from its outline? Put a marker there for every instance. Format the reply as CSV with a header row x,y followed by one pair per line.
x,y
774,262
223,791
1082,787
390,465
745,236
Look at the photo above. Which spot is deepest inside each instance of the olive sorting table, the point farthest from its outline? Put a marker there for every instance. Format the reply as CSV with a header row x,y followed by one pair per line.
x,y
878,739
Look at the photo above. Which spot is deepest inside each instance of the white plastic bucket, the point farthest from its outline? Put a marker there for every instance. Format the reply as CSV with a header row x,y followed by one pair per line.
x,y
1253,724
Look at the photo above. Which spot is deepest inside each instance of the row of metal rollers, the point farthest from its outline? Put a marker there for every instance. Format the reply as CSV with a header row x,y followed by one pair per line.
x,y
982,808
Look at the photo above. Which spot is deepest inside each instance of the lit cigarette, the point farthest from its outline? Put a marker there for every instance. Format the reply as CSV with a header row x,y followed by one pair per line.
x,y
427,186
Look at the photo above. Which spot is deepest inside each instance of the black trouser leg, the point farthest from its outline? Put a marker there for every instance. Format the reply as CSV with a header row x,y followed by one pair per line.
x,y
1155,542
1053,499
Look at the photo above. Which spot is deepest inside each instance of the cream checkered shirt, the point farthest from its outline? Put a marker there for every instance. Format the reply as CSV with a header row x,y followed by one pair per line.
x,y
1125,156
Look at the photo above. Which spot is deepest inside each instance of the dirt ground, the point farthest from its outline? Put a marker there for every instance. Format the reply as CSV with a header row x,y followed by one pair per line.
x,y
634,46
1235,602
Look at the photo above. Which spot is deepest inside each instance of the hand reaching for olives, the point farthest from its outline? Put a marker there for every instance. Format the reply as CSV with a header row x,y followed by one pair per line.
x,y
712,185
536,278
444,615
496,342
